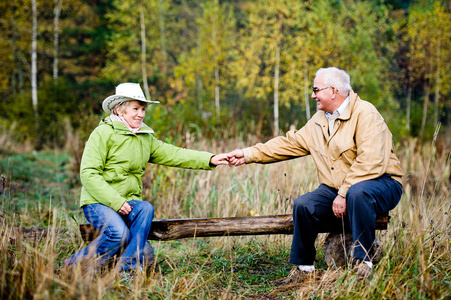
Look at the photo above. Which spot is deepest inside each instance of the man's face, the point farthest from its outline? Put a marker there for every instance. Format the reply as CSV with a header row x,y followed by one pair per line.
x,y
324,97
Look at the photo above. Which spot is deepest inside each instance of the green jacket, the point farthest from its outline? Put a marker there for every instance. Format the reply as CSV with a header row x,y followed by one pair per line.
x,y
114,161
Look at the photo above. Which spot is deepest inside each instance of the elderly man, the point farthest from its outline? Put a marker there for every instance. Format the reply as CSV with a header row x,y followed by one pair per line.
x,y
360,176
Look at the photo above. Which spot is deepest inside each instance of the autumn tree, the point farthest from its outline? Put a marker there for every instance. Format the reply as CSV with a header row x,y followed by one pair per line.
x,y
261,67
423,62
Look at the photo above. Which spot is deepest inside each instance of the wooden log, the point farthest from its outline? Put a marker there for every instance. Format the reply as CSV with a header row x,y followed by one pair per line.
x,y
164,230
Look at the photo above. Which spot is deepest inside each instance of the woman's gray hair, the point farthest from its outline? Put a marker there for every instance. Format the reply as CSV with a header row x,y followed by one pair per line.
x,y
123,105
337,78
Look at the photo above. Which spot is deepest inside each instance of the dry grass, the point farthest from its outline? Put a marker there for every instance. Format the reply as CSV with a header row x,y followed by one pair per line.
x,y
36,238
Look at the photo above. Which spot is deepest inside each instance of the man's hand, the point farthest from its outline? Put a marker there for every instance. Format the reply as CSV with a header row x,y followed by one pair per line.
x,y
220,159
339,206
125,209
236,158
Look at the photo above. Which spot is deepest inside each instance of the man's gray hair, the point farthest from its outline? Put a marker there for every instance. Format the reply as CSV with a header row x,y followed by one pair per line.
x,y
337,78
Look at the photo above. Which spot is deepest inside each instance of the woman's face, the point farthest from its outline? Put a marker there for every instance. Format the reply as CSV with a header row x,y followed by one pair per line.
x,y
134,113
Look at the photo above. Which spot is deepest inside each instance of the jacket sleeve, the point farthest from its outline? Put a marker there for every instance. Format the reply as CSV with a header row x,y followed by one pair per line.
x,y
172,156
91,168
291,146
374,148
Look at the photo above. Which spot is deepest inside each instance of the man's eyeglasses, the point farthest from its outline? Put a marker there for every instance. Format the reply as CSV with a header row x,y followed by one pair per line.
x,y
316,90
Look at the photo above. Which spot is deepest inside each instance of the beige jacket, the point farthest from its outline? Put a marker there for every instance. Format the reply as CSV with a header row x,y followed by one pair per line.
x,y
359,148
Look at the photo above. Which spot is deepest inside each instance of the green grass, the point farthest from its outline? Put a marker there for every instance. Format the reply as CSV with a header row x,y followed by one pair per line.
x,y
40,218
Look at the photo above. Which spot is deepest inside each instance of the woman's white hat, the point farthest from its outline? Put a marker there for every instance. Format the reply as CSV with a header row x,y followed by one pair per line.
x,y
125,92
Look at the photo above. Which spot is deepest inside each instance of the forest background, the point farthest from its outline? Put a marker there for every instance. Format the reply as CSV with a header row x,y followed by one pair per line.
x,y
219,68
228,74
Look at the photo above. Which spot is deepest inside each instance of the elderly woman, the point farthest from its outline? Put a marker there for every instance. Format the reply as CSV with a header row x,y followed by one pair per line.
x,y
112,166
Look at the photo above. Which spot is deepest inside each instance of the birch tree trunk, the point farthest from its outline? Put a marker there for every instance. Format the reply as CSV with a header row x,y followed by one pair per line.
x,y
199,85
58,4
425,108
14,80
199,92
306,95
409,101
437,85
276,91
217,104
34,85
20,81
161,19
143,50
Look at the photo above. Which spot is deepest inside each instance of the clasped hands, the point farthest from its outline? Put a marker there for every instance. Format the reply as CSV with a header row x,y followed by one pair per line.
x,y
234,158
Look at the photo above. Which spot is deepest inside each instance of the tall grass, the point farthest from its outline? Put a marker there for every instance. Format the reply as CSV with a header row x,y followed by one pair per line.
x,y
39,229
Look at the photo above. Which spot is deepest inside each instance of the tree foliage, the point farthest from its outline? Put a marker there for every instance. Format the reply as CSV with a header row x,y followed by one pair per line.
x,y
213,64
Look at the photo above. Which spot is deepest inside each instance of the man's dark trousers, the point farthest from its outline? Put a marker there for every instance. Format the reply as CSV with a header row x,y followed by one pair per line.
x,y
364,202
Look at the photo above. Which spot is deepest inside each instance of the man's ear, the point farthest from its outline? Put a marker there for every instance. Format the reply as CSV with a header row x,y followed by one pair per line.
x,y
334,93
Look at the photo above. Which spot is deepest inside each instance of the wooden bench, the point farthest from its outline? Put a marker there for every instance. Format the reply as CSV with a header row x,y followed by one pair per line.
x,y
337,248
171,229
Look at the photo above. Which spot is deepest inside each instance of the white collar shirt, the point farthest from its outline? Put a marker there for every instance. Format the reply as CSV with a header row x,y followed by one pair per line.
x,y
336,114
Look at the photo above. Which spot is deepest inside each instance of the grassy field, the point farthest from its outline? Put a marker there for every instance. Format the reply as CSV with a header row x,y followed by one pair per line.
x,y
39,228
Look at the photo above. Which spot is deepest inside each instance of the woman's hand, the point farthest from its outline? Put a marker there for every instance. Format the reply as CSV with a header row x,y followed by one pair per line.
x,y
220,159
236,158
125,209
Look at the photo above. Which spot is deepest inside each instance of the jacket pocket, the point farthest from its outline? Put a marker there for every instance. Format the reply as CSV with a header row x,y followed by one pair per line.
x,y
347,154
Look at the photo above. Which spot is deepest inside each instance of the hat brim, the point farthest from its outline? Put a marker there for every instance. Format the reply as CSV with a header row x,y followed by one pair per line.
x,y
110,102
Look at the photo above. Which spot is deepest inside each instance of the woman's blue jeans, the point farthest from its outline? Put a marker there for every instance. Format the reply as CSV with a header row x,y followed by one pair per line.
x,y
364,202
128,233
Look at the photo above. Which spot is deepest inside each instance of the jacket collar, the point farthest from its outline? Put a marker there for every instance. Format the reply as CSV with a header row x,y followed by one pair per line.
x,y
324,123
347,113
119,126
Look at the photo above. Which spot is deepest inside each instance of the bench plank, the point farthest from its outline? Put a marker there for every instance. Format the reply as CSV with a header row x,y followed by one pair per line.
x,y
171,229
